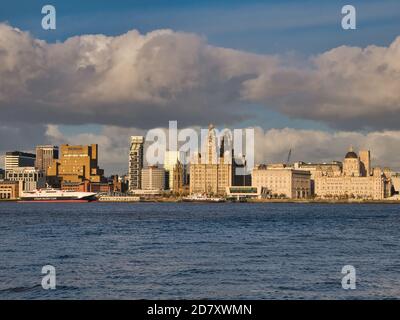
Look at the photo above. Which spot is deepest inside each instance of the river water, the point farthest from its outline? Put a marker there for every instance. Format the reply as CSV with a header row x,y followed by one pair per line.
x,y
199,251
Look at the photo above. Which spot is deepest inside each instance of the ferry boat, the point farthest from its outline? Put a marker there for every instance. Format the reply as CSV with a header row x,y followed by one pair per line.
x,y
202,198
56,195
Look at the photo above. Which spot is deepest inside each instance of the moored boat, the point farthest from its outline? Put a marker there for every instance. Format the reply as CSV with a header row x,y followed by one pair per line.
x,y
56,195
202,198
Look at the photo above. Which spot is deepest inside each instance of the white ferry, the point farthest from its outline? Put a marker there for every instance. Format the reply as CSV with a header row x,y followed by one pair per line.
x,y
202,198
56,195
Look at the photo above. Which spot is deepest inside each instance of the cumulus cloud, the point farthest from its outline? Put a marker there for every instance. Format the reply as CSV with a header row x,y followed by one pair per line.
x,y
273,145
141,81
129,80
346,87
145,80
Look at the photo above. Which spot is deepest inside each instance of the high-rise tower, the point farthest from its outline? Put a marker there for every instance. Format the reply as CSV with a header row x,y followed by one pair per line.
x,y
136,162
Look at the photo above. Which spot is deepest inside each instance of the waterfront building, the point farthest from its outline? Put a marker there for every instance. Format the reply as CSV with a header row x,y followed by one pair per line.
x,y
282,181
179,178
30,178
395,179
245,192
16,159
45,156
76,164
9,190
331,169
148,194
357,180
240,176
120,184
87,186
153,178
171,159
211,173
136,162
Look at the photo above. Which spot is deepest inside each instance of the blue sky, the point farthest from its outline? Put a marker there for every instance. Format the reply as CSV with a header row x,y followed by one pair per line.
x,y
303,27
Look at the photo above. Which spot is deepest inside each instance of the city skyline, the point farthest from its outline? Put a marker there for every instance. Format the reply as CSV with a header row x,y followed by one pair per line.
x,y
246,67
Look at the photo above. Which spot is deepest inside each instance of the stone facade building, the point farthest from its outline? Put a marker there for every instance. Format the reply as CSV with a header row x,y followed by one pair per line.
x,y
211,172
282,181
45,156
29,178
357,180
9,190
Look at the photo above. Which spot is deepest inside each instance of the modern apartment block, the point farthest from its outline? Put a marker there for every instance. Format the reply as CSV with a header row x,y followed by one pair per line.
x,y
16,159
76,164
136,162
45,156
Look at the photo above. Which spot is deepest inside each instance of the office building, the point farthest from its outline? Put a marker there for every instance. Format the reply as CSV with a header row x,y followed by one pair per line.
x,y
332,169
136,162
30,178
16,159
9,190
153,178
282,181
45,156
76,164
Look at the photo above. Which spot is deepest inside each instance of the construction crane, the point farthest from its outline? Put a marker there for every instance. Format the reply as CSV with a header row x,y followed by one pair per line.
x,y
288,156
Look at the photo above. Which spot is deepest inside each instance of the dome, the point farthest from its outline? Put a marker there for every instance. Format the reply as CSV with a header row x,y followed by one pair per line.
x,y
351,155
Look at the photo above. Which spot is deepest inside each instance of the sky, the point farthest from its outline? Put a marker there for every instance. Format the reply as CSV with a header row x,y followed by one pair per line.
x,y
287,68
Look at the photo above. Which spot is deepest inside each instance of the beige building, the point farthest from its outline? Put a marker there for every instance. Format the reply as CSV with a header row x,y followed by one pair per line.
x,y
179,181
282,181
357,180
76,164
153,178
29,178
45,156
332,169
9,190
211,172
171,160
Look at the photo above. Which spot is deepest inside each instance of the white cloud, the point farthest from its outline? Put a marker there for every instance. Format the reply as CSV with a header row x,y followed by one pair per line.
x,y
145,80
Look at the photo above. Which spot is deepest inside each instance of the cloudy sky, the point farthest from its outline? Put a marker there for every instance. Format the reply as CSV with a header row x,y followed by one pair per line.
x,y
113,69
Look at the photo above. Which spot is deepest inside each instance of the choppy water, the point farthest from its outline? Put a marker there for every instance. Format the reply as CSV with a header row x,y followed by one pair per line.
x,y
194,251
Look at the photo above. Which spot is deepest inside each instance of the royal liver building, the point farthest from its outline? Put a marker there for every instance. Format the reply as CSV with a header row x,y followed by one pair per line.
x,y
211,172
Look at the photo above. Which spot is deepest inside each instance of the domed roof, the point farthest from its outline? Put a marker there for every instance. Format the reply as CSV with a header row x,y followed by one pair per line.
x,y
351,155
